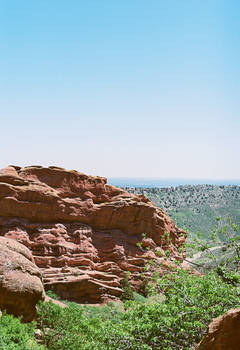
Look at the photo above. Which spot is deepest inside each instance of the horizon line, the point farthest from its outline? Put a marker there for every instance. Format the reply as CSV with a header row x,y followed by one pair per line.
x,y
173,178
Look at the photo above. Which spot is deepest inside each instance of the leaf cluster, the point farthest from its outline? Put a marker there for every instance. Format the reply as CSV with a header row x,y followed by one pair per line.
x,y
15,335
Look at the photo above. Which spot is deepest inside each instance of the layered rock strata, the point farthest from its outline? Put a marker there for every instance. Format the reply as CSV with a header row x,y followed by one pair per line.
x,y
84,233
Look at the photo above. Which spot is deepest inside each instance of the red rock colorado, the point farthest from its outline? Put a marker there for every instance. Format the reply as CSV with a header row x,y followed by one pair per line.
x,y
82,232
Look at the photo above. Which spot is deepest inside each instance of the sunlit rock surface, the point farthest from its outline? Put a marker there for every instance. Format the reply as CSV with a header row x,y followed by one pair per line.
x,y
82,232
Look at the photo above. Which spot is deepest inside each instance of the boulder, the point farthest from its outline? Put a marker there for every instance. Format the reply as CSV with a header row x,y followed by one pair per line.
x,y
223,333
20,280
82,232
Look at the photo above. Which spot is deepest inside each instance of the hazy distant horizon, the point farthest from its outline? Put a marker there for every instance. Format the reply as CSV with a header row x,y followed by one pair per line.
x,y
149,182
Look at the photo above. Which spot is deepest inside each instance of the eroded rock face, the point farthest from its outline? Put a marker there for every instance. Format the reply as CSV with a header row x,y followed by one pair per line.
x,y
20,280
223,333
83,233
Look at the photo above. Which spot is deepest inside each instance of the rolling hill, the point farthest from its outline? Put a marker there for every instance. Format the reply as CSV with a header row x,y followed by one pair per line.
x,y
195,207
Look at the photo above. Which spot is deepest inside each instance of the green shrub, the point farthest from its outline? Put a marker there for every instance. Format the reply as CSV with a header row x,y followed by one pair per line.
x,y
177,322
138,298
126,287
15,335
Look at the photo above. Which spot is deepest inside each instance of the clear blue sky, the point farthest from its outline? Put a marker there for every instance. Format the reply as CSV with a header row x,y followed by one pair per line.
x,y
122,88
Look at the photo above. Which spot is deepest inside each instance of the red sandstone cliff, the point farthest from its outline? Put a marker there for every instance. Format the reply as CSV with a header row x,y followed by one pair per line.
x,y
83,233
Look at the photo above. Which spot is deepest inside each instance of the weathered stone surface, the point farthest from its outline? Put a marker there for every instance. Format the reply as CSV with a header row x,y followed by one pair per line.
x,y
83,233
223,333
20,280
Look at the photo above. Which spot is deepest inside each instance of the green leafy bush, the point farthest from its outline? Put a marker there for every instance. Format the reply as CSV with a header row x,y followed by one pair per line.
x,y
126,287
15,335
177,322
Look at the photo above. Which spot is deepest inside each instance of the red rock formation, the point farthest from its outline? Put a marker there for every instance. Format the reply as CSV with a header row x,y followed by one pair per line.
x,y
223,333
83,233
20,280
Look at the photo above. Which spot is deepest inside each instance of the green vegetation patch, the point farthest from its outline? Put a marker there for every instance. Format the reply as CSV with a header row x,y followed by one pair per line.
x,y
17,336
177,322
195,207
